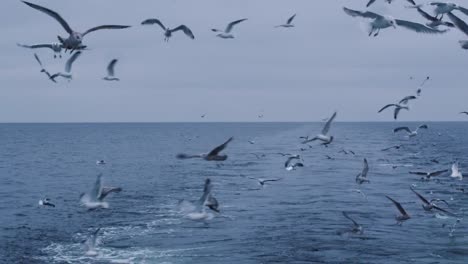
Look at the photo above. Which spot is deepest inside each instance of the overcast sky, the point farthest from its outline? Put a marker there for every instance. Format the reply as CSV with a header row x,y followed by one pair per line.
x,y
325,63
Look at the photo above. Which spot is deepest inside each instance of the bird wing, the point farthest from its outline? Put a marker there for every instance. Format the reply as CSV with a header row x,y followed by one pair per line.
x,y
271,180
106,190
422,126
151,21
412,2
328,124
104,27
219,148
206,192
366,14
52,14
370,3
286,164
365,169
387,106
68,65
437,173
464,112
110,67
418,173
407,98
420,197
460,24
398,206
402,128
97,188
420,28
291,19
397,111
463,10
36,46
348,217
185,29
232,24
426,15
38,60
186,156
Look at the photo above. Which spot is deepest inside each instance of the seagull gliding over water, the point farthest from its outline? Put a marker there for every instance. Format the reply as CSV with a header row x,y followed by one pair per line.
x,y
410,133
212,155
323,136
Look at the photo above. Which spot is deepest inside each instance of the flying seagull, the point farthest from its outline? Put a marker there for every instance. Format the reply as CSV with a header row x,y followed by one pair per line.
x,y
110,71
462,26
289,165
434,22
408,131
46,202
429,205
357,228
74,40
379,22
55,47
95,198
43,69
442,8
393,147
406,99
418,92
323,136
226,34
288,22
263,181
430,174
403,216
464,112
456,173
362,176
212,155
167,31
396,111
90,244
68,66
388,1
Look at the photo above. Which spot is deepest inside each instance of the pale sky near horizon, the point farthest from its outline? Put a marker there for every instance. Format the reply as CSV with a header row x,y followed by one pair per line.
x,y
325,63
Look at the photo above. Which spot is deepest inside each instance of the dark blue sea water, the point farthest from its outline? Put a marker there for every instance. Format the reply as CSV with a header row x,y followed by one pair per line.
x,y
295,220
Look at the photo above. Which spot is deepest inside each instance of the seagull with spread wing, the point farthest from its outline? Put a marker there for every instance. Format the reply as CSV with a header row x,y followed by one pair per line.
x,y
167,31
95,198
212,155
430,174
441,8
74,40
288,22
408,131
362,176
396,110
378,22
323,136
357,228
68,67
403,216
434,22
110,71
388,1
55,47
226,34
429,205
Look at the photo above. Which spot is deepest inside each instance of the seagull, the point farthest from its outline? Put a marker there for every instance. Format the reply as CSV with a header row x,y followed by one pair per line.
x,y
46,202
263,181
329,157
90,244
288,23
410,133
167,31
110,71
398,107
429,205
362,176
200,212
388,1
393,147
428,175
288,165
212,155
434,21
100,162
203,116
94,199
464,112
226,34
380,22
68,67
424,81
357,228
212,203
43,69
55,47
418,92
462,26
75,38
456,173
442,8
323,135
403,215
406,99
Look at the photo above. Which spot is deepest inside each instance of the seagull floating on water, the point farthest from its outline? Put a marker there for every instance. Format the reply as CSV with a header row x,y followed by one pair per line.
x,y
46,202
323,136
73,42
167,31
43,69
212,155
226,34
403,216
408,131
110,71
95,198
379,22
456,173
362,176
288,22
68,67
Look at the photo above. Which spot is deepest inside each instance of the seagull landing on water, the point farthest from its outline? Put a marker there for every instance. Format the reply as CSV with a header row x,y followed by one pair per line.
x,y
388,1
428,175
324,135
68,67
362,176
74,40
429,205
403,216
46,202
226,34
379,22
43,69
90,244
434,22
408,131
356,228
462,26
95,198
456,173
110,71
396,111
198,213
167,31
212,155
288,22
